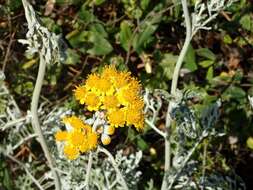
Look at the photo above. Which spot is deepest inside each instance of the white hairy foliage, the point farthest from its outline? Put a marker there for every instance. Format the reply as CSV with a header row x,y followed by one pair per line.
x,y
206,11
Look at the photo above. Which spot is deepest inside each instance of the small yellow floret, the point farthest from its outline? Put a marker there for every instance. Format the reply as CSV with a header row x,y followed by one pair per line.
x,y
137,104
135,117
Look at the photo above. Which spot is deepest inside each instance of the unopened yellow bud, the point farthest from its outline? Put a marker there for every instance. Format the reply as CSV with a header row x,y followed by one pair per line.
x,y
152,151
106,139
109,129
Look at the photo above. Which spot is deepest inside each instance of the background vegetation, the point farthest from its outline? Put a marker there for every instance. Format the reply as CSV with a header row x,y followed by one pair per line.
x,y
145,37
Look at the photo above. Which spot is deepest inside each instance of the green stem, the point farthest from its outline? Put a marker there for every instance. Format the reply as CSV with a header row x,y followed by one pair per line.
x,y
173,92
204,164
36,123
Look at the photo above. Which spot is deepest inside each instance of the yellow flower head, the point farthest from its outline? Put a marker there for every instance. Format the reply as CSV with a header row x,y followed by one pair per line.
x,y
115,93
137,104
126,97
117,118
92,138
104,87
109,73
92,101
61,135
73,122
121,79
135,117
80,94
78,139
91,82
110,102
71,152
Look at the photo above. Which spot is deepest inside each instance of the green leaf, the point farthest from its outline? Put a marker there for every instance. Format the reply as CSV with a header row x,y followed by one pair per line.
x,y
100,45
142,144
144,4
125,34
227,39
250,142
99,2
209,74
72,57
99,28
247,22
234,92
177,9
206,53
14,4
67,2
206,63
5,178
190,59
51,25
168,63
78,39
86,15
144,36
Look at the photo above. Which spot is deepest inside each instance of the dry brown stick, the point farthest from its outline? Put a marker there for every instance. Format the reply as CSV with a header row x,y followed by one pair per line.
x,y
6,58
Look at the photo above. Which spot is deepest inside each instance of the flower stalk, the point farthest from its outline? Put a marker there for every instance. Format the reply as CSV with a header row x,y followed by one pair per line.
x,y
46,44
173,92
36,123
88,170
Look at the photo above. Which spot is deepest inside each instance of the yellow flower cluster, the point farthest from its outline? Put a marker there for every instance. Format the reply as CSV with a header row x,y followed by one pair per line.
x,y
79,139
117,94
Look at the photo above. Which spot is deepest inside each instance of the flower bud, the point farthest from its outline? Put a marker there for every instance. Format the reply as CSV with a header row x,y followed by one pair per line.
x,y
109,129
106,139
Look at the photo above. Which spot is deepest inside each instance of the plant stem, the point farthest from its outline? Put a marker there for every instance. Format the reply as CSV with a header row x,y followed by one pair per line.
x,y
114,164
204,164
36,123
173,92
184,49
13,123
155,128
88,171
